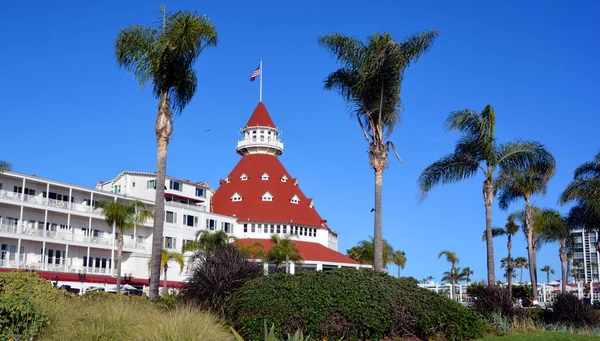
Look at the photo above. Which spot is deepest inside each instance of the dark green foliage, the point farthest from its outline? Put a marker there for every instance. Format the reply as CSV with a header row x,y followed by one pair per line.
x,y
25,300
569,309
351,304
489,300
216,275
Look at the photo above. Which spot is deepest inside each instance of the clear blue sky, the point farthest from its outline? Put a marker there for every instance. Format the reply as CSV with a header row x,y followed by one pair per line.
x,y
70,114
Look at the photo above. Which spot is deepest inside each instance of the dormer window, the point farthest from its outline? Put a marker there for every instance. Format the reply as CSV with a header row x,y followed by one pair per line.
x,y
295,199
244,177
227,180
267,197
236,197
296,182
311,204
284,178
265,176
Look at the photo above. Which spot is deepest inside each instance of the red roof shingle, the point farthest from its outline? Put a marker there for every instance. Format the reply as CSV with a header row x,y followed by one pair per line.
x,y
309,251
260,117
252,207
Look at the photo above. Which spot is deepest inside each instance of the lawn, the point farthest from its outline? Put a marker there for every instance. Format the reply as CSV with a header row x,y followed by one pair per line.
x,y
544,336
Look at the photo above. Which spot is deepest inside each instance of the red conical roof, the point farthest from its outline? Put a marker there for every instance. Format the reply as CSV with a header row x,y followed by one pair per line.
x,y
252,208
260,117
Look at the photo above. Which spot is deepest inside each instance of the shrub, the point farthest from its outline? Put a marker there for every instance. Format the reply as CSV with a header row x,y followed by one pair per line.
x,y
216,275
570,310
27,305
348,303
491,300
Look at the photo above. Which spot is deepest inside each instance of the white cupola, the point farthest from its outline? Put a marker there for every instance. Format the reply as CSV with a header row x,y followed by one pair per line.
x,y
260,136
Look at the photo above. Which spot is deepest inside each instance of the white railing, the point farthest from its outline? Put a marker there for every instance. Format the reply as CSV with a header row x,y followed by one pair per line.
x,y
39,200
189,207
256,143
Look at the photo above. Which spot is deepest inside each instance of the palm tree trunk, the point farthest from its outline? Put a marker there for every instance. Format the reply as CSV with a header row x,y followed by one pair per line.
x,y
530,248
521,276
287,264
163,135
378,233
119,260
563,265
548,279
165,280
510,267
488,196
398,271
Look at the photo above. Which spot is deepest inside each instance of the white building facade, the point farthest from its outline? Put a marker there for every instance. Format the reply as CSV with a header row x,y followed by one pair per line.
x,y
584,265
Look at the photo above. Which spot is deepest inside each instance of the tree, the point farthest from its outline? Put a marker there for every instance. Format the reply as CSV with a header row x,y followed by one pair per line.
x,y
509,230
365,250
453,260
520,263
123,217
508,264
466,273
454,277
165,257
399,258
548,270
555,228
576,266
206,241
4,166
283,250
369,81
477,149
165,57
515,182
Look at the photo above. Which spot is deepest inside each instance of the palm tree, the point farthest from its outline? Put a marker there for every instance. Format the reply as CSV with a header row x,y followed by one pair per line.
x,y
585,185
206,241
554,228
509,230
517,182
123,217
165,57
477,150
576,266
520,263
454,277
369,80
466,273
548,270
283,250
4,166
399,258
508,264
453,260
364,252
165,257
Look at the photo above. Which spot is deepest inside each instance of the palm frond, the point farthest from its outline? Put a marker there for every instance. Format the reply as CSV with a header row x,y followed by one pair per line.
x,y
134,50
347,50
451,168
4,166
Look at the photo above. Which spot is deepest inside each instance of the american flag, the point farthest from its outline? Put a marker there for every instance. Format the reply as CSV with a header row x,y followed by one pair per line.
x,y
255,74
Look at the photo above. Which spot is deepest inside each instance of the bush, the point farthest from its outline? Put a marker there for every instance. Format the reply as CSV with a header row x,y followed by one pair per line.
x,y
27,305
216,275
570,310
348,303
491,300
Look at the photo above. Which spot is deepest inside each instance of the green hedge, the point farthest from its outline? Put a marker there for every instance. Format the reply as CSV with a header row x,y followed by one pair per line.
x,y
351,304
26,305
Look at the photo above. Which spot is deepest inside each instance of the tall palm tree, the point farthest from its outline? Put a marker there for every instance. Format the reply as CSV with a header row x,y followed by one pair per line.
x,y
123,217
585,185
370,80
165,257
477,149
399,258
509,230
4,166
165,57
521,263
548,270
283,250
453,260
554,228
365,250
517,182
467,272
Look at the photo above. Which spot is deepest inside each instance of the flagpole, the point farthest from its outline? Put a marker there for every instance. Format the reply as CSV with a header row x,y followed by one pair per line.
x,y
261,76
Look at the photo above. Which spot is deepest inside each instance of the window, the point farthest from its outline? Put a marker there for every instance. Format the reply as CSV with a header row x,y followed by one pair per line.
x,y
245,228
151,184
133,184
253,228
284,229
267,197
278,229
259,227
29,191
265,176
116,189
190,220
65,227
187,242
284,178
272,229
227,227
244,177
175,185
211,224
236,197
296,230
295,199
171,217
226,180
200,192
170,243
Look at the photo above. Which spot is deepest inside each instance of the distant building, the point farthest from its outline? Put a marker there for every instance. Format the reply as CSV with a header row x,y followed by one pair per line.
x,y
584,265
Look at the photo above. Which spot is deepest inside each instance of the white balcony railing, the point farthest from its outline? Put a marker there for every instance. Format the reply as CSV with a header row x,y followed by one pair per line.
x,y
189,207
277,144
36,199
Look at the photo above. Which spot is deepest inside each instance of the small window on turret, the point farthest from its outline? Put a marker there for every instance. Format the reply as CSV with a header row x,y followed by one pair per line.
x,y
284,178
265,176
295,199
236,197
267,197
244,177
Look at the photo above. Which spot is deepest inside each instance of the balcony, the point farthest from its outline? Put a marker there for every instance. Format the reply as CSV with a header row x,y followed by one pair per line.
x,y
186,206
106,240
274,144
36,199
